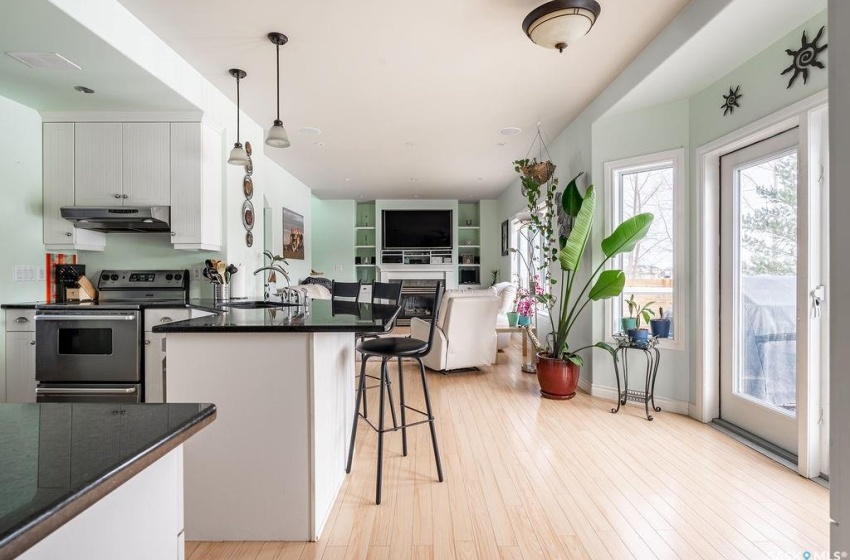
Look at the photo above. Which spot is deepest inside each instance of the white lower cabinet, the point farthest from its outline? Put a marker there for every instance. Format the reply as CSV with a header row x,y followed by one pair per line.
x,y
155,363
20,367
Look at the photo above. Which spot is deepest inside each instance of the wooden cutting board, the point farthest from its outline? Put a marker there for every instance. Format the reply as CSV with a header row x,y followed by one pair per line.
x,y
87,291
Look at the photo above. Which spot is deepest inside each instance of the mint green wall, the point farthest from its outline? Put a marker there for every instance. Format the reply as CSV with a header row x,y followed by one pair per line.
x,y
333,238
20,211
649,131
491,239
763,88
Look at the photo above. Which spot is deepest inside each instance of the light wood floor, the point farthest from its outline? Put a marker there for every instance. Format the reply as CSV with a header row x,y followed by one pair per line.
x,y
528,478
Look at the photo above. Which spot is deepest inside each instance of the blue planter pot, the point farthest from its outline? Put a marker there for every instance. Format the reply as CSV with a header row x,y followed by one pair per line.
x,y
639,336
524,320
660,327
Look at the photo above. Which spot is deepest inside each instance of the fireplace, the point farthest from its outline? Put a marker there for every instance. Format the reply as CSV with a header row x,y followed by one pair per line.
x,y
417,300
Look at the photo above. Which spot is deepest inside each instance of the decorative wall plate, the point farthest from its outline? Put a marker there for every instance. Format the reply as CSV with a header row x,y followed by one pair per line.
x,y
248,215
248,187
249,169
249,239
248,148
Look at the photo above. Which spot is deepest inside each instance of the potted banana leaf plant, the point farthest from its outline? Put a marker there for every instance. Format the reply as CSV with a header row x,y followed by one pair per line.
x,y
566,240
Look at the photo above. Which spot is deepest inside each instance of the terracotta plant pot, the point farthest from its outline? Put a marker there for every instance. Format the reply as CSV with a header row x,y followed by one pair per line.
x,y
558,378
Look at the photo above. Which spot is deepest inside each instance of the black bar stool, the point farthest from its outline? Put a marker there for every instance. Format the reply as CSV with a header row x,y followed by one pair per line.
x,y
388,348
384,293
347,290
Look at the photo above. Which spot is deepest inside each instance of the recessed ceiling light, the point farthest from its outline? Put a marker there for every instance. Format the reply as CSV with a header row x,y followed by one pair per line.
x,y
413,179
50,61
481,178
319,144
510,131
309,131
348,180
416,196
409,144
501,144
83,89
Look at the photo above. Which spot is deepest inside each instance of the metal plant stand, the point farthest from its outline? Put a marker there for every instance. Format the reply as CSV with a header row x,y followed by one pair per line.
x,y
653,359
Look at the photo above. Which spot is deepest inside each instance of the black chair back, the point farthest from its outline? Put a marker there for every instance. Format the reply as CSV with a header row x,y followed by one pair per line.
x,y
388,293
345,290
438,299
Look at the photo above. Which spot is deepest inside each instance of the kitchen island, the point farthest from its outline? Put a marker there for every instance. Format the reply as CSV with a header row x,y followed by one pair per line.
x,y
283,380
89,481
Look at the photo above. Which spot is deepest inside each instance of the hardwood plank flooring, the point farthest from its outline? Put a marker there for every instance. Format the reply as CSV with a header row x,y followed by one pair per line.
x,y
532,479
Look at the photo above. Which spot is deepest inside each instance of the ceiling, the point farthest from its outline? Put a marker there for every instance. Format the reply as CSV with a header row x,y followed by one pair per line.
x,y
119,84
410,97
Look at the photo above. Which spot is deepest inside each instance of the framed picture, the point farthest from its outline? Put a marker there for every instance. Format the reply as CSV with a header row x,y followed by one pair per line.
x,y
505,242
468,258
293,235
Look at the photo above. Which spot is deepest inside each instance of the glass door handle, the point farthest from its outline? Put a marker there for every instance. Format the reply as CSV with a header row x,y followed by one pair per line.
x,y
818,296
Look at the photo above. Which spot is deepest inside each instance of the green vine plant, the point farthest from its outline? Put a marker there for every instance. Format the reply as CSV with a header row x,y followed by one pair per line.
x,y
540,191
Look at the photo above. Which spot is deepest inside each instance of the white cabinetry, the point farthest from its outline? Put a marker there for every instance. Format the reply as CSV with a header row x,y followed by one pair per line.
x,y
97,164
58,179
196,156
146,166
133,164
20,356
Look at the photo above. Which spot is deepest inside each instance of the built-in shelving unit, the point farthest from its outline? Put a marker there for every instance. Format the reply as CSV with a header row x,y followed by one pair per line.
x,y
468,244
365,244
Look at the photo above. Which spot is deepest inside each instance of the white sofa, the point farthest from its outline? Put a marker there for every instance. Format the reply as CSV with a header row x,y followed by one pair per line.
x,y
465,336
506,291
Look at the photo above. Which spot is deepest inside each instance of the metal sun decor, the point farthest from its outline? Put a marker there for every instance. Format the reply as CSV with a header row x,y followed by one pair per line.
x,y
731,101
805,58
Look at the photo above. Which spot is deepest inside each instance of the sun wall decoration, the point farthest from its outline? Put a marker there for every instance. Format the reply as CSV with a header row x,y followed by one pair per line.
x,y
805,58
731,101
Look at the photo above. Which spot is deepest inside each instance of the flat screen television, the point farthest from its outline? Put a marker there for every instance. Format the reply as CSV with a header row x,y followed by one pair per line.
x,y
417,229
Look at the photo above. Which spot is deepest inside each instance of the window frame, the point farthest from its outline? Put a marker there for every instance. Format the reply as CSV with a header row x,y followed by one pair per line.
x,y
613,170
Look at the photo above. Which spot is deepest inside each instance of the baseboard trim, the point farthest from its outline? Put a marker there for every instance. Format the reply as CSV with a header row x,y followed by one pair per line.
x,y
667,405
585,385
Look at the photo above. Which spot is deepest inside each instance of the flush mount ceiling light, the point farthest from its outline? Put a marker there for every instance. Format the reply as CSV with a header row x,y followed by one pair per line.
x,y
237,154
309,131
510,131
560,23
278,138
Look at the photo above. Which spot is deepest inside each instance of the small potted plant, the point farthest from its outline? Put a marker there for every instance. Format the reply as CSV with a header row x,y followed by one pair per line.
x,y
525,307
660,325
630,322
637,334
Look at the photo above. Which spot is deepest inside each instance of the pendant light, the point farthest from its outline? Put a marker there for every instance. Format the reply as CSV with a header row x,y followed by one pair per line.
x,y
237,154
277,137
560,23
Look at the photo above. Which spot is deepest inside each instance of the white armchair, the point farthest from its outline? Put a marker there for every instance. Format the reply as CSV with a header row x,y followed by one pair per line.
x,y
506,291
465,336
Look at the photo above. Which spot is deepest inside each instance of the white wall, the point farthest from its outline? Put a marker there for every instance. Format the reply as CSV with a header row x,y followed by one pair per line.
x,y
20,212
839,289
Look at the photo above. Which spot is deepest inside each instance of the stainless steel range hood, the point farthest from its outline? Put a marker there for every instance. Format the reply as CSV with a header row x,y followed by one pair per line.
x,y
142,219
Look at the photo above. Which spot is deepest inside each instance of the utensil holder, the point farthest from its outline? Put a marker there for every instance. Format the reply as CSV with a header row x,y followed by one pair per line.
x,y
221,292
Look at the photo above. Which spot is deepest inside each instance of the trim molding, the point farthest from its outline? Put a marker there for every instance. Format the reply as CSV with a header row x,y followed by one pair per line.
x,y
667,405
585,385
121,116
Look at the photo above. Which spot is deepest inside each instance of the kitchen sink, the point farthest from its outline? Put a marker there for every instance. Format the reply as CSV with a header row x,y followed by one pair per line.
x,y
256,304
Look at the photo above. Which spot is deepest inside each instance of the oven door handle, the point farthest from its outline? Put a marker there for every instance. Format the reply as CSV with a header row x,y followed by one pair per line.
x,y
85,317
83,390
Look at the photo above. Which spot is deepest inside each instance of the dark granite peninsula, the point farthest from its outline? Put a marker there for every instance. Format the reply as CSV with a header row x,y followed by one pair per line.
x,y
272,465
94,480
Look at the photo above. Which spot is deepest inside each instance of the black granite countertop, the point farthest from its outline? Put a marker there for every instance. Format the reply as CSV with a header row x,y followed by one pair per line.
x,y
58,459
323,316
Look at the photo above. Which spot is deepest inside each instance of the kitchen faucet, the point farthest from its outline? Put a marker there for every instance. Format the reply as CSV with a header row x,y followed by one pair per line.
x,y
289,292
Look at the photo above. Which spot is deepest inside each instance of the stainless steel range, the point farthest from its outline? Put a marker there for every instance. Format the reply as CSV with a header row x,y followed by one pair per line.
x,y
92,351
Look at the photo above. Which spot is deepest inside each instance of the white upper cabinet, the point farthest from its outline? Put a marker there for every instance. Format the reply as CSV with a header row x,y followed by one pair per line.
x,y
146,164
60,235
133,164
196,156
97,164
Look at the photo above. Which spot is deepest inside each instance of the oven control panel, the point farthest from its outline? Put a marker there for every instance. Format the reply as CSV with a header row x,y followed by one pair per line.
x,y
117,279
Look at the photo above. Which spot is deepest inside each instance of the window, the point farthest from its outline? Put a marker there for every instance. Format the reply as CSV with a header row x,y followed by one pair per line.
x,y
654,270
526,244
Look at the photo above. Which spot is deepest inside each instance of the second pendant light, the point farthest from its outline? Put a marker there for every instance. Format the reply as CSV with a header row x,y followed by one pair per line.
x,y
277,137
